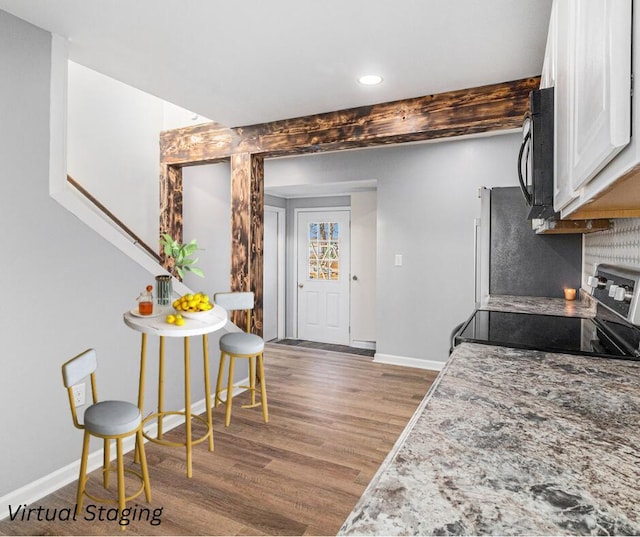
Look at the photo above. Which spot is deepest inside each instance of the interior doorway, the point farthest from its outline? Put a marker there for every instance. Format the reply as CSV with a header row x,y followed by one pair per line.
x,y
323,272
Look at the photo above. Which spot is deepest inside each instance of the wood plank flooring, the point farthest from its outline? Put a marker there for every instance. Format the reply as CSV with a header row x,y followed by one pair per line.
x,y
333,419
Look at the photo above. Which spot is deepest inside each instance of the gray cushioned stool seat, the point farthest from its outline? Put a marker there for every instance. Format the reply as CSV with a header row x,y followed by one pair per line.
x,y
112,418
241,343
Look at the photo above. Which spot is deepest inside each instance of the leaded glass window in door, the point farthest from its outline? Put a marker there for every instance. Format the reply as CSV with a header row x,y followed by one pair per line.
x,y
324,251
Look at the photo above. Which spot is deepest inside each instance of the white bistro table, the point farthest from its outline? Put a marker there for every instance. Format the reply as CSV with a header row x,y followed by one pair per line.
x,y
156,325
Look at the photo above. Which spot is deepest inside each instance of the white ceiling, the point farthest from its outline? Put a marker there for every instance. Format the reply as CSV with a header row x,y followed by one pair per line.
x,y
241,62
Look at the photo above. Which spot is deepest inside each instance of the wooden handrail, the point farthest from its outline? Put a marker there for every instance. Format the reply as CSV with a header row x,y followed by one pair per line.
x,y
136,240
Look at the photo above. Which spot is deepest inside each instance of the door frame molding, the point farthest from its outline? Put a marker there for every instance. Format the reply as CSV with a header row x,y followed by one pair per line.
x,y
281,254
294,280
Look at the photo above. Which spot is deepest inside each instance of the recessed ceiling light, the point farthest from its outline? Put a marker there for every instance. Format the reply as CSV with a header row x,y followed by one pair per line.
x,y
370,80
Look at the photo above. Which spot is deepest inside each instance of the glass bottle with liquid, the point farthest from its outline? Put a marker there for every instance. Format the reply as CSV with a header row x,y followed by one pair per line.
x,y
145,301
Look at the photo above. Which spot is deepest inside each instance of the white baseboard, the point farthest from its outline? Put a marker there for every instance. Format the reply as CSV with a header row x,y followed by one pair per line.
x,y
406,361
32,492
363,344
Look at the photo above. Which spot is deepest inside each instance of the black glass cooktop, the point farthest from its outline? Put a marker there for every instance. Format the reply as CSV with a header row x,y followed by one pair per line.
x,y
573,335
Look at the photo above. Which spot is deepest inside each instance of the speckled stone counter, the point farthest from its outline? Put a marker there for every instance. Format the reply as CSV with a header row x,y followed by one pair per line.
x,y
513,442
585,307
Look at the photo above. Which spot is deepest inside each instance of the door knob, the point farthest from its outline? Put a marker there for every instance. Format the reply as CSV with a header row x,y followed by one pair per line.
x,y
300,285
354,278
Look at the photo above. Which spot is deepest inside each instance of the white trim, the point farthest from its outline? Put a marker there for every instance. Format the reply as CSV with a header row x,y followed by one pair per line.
x,y
32,492
362,344
294,280
407,361
282,234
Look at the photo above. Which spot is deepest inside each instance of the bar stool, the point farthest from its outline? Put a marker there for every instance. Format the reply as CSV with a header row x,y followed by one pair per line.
x,y
241,345
109,420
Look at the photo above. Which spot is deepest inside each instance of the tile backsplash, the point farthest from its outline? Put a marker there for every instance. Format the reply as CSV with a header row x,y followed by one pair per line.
x,y
619,245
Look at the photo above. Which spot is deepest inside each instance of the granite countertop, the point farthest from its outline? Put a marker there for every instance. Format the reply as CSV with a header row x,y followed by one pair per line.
x,y
585,307
512,442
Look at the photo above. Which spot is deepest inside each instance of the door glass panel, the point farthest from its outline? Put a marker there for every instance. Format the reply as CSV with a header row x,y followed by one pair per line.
x,y
324,259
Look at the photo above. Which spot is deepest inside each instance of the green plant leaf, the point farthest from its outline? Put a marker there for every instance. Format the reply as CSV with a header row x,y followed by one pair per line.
x,y
190,248
196,271
180,253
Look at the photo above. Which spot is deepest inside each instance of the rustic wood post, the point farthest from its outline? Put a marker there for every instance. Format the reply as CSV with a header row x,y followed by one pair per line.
x,y
247,231
170,204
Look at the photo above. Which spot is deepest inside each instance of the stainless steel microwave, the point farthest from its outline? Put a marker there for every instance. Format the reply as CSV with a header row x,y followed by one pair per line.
x,y
535,159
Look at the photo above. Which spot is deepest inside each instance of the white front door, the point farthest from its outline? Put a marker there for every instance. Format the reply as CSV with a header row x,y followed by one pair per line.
x,y
323,276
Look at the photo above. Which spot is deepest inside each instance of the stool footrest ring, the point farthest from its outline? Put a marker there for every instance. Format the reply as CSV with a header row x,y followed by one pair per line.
x,y
115,500
165,442
251,406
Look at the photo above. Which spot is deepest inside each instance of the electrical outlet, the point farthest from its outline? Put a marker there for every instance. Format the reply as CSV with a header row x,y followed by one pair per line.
x,y
79,391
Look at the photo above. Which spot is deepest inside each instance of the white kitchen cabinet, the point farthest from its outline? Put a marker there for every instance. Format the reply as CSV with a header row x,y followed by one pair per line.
x,y
561,35
588,61
601,86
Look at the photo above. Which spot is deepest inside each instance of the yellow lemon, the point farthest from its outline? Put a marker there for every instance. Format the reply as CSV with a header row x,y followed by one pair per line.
x,y
171,319
180,321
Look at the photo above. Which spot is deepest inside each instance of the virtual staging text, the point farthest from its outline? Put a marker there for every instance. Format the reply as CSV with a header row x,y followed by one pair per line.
x,y
90,513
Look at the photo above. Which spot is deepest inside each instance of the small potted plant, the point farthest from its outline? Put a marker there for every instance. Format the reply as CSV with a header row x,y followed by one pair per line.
x,y
179,256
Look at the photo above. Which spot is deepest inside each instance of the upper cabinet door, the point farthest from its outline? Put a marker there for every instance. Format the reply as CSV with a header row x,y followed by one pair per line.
x,y
549,67
562,35
599,85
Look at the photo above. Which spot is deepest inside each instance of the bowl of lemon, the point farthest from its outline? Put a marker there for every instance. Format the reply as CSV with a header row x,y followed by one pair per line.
x,y
193,306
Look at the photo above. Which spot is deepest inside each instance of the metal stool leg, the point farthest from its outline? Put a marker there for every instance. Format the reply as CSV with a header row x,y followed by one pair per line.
x,y
227,415
143,465
252,379
121,492
143,359
263,388
82,478
217,398
106,463
207,388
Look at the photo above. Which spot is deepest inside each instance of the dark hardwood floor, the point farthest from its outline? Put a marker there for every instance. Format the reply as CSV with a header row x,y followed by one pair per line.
x,y
333,419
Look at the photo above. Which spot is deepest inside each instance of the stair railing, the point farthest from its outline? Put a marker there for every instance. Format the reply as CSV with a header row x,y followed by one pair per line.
x,y
121,225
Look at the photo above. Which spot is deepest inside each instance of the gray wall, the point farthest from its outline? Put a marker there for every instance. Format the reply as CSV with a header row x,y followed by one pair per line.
x,y
64,287
427,202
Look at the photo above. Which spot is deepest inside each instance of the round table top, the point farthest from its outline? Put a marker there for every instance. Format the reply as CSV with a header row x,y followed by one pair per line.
x,y
156,324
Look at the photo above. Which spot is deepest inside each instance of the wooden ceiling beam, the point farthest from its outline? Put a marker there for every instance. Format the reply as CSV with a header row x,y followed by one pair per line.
x,y
456,113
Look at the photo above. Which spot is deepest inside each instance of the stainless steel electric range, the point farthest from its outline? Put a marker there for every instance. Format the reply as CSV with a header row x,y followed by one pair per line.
x,y
613,333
